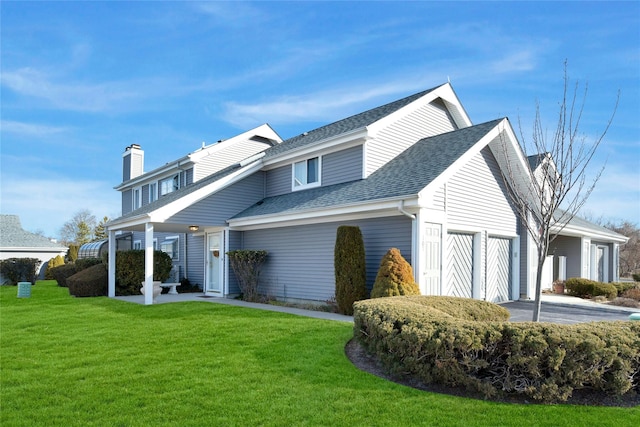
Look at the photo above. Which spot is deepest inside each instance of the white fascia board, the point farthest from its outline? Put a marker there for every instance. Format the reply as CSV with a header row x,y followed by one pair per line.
x,y
378,208
264,131
53,249
128,223
427,192
344,140
167,211
600,235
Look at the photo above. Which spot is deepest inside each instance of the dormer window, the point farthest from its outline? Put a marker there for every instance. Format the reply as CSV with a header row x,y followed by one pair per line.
x,y
306,173
153,192
169,185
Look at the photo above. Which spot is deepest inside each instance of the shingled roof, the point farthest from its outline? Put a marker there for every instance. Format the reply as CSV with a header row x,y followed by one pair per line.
x,y
13,236
358,121
405,175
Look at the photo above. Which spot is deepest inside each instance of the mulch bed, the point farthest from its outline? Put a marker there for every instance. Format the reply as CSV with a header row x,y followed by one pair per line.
x,y
368,363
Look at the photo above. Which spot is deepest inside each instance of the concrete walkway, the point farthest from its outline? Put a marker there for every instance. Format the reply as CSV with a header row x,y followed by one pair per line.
x,y
555,308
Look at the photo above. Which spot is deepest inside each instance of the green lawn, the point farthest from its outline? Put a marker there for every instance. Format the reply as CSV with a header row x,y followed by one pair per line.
x,y
99,361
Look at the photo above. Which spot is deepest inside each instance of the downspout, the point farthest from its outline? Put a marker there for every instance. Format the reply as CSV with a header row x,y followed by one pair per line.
x,y
414,238
403,212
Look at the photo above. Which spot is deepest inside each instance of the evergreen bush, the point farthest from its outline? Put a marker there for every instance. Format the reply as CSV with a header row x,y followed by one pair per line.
x,y
90,282
585,288
395,277
16,270
350,268
61,273
53,262
437,341
82,263
130,270
72,253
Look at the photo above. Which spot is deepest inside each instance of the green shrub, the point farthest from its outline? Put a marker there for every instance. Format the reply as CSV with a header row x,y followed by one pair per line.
x,y
130,270
82,263
585,288
622,287
636,277
53,262
61,273
246,265
16,270
349,268
395,277
72,253
436,342
90,282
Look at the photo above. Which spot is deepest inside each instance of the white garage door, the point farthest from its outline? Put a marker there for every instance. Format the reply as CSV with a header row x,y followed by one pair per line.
x,y
498,269
459,264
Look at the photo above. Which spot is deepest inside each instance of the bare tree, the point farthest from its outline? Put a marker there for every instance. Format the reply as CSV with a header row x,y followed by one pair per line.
x,y
79,229
630,251
555,184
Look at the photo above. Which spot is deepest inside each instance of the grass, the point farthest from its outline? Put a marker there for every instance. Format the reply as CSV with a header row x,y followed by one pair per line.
x,y
103,362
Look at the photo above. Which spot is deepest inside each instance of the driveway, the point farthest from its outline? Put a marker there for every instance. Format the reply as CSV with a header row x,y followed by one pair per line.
x,y
522,311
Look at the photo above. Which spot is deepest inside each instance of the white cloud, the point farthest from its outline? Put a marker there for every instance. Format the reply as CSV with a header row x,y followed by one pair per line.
x,y
90,97
46,204
30,129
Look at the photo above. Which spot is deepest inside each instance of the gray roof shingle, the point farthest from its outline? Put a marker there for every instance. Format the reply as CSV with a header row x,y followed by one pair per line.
x,y
13,236
348,124
406,175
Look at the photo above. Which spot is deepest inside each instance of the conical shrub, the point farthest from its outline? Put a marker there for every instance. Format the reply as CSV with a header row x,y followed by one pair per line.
x,y
395,277
350,268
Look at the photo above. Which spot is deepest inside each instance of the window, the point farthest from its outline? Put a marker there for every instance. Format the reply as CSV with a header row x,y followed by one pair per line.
x,y
170,247
306,173
137,244
137,198
153,192
169,185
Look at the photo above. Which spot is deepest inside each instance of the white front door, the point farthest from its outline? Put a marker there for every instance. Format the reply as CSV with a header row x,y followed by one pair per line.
x,y
213,261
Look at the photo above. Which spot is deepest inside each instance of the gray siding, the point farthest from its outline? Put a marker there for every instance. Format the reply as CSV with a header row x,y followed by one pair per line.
x,y
145,194
195,261
342,166
127,201
217,208
569,247
278,181
227,156
300,260
432,119
235,242
477,197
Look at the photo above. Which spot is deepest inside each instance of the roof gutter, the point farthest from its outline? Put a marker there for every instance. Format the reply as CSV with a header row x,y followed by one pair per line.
x,y
403,212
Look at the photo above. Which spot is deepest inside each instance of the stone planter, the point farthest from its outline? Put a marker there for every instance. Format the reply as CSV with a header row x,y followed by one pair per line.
x,y
157,290
558,288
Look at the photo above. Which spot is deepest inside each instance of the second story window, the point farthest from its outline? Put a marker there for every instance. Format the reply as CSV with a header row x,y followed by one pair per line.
x,y
306,173
137,198
169,185
153,192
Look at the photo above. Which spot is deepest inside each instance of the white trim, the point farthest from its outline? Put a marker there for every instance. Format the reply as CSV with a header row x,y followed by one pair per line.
x,y
307,184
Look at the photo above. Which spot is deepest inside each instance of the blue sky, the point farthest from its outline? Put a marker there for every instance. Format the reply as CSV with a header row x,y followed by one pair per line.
x,y
82,80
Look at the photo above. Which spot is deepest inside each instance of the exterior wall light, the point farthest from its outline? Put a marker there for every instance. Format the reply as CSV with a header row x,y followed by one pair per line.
x,y
193,228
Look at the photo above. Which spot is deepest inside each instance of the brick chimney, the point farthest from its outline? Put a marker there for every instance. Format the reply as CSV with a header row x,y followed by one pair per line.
x,y
132,162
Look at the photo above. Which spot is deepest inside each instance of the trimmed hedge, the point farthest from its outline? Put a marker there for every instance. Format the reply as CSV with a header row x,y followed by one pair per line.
x,y
349,268
585,288
61,273
83,263
16,270
90,282
130,270
464,342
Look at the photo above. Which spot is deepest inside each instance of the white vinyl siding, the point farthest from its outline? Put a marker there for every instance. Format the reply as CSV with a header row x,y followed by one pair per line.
x,y
476,197
227,156
430,120
459,265
498,269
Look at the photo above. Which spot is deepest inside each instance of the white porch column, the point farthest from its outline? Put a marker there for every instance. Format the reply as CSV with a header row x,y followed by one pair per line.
x,y
112,264
148,263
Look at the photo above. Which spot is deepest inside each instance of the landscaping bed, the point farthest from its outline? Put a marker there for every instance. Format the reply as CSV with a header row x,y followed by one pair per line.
x,y
468,345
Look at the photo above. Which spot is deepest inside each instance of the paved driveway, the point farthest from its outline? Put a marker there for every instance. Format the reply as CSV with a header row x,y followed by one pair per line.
x,y
522,311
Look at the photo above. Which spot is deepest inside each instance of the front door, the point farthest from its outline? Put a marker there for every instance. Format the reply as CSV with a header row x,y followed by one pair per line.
x,y
214,255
